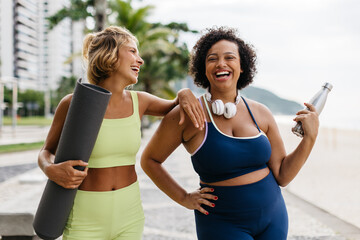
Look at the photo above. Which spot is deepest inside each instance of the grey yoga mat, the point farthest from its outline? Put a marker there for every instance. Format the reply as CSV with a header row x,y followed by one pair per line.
x,y
81,127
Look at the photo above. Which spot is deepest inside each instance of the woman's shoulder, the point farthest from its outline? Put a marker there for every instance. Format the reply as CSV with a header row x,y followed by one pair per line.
x,y
64,104
133,93
62,108
175,113
262,114
257,107
65,101
141,94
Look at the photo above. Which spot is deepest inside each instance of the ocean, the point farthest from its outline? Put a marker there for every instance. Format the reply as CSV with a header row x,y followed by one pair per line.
x,y
337,121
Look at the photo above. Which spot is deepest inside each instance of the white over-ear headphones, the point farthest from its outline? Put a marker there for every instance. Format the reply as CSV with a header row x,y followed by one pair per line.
x,y
219,108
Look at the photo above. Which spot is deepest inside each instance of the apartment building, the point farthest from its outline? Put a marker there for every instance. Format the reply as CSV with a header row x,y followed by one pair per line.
x,y
32,53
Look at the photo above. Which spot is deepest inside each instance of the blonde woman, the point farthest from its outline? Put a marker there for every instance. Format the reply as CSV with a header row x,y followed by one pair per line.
x,y
107,204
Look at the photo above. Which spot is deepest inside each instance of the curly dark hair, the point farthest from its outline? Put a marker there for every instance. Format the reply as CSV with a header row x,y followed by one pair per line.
x,y
207,40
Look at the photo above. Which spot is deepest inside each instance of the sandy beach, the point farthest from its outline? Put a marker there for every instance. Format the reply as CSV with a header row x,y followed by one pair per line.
x,y
330,178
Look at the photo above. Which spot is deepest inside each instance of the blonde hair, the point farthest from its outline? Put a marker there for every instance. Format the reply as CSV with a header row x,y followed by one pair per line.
x,y
100,51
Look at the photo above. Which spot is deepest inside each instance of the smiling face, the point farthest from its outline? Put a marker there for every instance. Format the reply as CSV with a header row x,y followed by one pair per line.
x,y
129,62
222,65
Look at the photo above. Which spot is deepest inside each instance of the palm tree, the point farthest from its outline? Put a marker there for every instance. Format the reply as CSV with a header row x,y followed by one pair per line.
x,y
133,19
165,58
80,10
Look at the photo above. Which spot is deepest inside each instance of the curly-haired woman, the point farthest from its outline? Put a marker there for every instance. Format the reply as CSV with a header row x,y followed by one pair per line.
x,y
239,156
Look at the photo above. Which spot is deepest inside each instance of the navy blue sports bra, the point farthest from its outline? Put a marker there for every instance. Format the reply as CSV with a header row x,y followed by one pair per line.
x,y
221,157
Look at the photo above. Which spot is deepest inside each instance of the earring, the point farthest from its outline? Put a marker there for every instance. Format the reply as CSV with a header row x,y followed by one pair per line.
x,y
219,108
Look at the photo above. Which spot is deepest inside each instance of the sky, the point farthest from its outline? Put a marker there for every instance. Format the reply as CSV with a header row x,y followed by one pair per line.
x,y
300,45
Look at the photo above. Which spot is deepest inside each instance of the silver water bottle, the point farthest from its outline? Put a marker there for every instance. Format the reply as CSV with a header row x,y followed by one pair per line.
x,y
319,102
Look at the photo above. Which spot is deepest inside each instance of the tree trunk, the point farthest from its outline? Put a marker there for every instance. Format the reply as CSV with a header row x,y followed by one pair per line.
x,y
100,14
147,85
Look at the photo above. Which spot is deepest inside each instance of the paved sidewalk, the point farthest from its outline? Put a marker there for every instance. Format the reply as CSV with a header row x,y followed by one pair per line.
x,y
166,220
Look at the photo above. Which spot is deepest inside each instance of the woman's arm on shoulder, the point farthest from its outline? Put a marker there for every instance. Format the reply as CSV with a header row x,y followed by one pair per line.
x,y
62,173
152,105
155,106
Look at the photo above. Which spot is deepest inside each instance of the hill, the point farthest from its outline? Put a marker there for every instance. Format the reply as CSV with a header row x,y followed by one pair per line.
x,y
277,105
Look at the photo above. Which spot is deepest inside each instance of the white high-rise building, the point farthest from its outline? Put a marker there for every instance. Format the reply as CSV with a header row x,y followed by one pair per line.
x,y
6,38
26,40
30,51
57,45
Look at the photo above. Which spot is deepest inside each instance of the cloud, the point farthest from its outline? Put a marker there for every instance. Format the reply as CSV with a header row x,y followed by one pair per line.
x,y
300,44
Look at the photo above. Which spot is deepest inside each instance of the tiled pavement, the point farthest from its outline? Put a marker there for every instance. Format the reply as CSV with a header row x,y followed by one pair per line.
x,y
165,220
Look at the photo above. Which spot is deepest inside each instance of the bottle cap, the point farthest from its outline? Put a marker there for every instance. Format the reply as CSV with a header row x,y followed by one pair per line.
x,y
328,86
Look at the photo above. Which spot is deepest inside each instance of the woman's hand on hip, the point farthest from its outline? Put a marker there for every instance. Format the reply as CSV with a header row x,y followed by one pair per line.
x,y
195,199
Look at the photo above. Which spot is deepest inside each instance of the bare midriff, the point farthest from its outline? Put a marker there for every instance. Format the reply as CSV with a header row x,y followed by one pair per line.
x,y
109,179
242,180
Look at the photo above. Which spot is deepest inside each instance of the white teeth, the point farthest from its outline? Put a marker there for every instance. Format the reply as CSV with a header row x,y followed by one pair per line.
x,y
136,69
222,73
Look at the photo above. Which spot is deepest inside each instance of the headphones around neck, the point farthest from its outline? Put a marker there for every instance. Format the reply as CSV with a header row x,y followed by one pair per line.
x,y
219,108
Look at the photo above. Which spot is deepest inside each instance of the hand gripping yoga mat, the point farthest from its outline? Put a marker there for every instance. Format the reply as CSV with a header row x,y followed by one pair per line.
x,y
81,127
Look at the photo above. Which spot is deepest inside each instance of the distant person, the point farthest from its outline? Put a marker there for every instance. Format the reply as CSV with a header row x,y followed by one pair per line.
x,y
239,156
107,204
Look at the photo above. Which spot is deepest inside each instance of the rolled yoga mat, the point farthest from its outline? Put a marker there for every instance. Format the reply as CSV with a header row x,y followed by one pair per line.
x,y
78,136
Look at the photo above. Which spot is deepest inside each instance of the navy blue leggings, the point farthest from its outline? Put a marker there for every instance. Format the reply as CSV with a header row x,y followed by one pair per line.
x,y
248,212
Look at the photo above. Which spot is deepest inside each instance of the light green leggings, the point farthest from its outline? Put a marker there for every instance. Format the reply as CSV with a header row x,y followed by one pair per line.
x,y
106,215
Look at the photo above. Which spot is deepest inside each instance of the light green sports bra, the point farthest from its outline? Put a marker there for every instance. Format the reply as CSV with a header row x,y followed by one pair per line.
x,y
118,140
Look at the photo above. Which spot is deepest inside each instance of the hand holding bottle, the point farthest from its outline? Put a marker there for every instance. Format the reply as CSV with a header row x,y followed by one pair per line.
x,y
318,101
308,119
